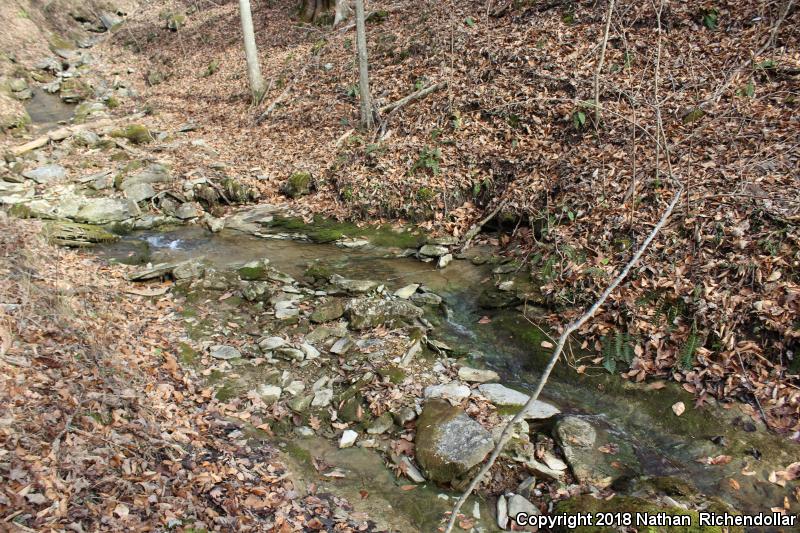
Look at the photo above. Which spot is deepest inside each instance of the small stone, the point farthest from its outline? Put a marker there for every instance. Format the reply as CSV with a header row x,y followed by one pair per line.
x,y
433,250
86,138
381,425
353,286
404,415
454,392
309,351
46,173
322,398
256,291
283,314
342,346
223,351
189,210
410,470
348,438
502,512
328,311
444,261
476,375
304,431
426,298
505,286
300,404
191,269
214,224
268,344
518,504
269,393
290,354
406,292
295,387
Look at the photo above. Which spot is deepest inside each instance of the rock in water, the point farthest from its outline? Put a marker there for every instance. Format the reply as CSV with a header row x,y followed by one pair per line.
x,y
477,375
581,443
353,286
433,250
448,442
366,313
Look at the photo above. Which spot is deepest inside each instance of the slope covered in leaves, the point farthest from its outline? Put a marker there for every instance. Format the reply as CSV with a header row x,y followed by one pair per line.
x,y
715,304
101,430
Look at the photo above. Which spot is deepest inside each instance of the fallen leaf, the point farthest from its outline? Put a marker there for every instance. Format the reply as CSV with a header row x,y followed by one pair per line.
x,y
547,344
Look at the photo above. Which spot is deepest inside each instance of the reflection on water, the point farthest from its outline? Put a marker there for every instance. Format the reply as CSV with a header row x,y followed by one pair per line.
x,y
47,110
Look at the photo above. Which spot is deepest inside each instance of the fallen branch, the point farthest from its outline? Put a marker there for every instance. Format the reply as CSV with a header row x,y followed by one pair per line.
x,y
281,97
478,226
422,93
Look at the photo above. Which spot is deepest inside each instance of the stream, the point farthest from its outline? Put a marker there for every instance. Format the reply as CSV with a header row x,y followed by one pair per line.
x,y
506,341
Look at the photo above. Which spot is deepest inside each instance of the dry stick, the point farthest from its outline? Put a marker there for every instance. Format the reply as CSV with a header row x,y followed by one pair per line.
x,y
600,65
476,228
572,327
413,96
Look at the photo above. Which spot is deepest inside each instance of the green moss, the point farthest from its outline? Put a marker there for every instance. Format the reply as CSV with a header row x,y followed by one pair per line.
x,y
176,21
20,211
112,102
227,391
325,235
64,233
187,354
395,374
318,272
298,184
59,43
425,194
135,133
299,453
325,230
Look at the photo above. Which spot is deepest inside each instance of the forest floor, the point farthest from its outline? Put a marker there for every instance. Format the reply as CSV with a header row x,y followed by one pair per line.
x,y
715,304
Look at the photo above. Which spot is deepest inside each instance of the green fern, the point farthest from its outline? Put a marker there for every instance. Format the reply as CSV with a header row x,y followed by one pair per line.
x,y
618,348
689,349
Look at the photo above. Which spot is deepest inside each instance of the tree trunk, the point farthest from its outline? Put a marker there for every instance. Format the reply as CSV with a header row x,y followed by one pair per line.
x,y
363,67
342,12
257,85
312,10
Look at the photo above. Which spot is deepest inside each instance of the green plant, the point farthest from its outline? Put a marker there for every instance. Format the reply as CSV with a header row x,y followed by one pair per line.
x,y
469,21
710,18
618,348
428,159
748,90
425,194
352,91
578,119
689,349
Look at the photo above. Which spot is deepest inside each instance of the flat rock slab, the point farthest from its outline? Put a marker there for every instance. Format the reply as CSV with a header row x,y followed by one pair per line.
x,y
46,173
448,442
454,392
105,210
503,396
364,313
225,352
477,375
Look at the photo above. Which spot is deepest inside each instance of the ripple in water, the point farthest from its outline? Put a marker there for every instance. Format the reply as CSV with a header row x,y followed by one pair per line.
x,y
162,241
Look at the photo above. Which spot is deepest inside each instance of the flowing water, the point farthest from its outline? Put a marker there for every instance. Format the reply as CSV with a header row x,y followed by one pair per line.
x,y
663,443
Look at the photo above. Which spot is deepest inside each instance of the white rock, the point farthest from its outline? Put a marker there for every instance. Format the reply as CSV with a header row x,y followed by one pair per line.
x,y
406,292
477,375
281,314
341,346
411,471
322,398
454,392
348,437
553,462
444,260
295,387
271,343
502,512
310,351
223,351
269,393
506,286
517,504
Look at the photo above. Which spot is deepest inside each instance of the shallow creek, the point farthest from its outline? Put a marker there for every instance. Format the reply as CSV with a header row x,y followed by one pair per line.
x,y
663,443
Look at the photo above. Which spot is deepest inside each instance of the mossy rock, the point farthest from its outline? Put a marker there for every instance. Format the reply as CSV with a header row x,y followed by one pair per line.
x,y
628,504
318,272
237,192
330,310
74,90
135,133
325,235
72,234
59,43
298,184
255,271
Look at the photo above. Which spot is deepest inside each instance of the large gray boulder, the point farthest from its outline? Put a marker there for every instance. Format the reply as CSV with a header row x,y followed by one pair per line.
x,y
105,210
363,313
449,443
139,192
154,173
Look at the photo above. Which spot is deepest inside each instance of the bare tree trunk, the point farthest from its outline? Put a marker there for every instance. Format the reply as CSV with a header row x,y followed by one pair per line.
x,y
257,86
342,12
363,67
600,61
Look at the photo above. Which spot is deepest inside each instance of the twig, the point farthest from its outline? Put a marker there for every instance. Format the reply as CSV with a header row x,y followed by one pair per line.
x,y
476,228
413,96
600,65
